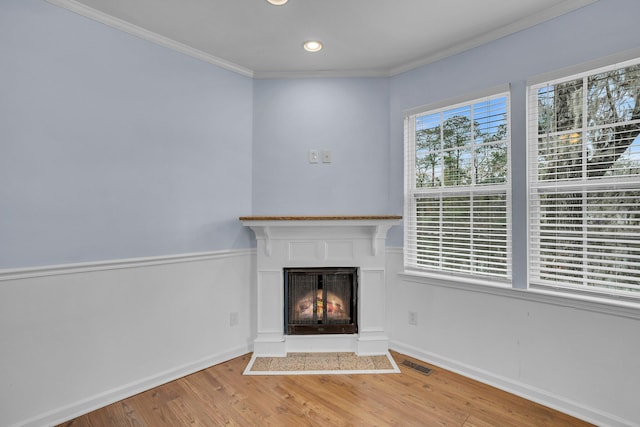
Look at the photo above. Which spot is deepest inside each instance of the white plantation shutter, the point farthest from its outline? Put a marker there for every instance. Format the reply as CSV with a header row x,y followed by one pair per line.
x,y
584,181
457,201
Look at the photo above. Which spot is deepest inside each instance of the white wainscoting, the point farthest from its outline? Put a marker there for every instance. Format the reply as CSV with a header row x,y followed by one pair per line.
x,y
572,357
74,338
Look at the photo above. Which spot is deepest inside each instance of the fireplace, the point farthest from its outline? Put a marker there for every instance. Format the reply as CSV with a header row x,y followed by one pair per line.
x,y
320,300
288,245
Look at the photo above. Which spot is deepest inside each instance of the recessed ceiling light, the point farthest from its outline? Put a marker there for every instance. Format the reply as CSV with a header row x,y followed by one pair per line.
x,y
277,2
312,46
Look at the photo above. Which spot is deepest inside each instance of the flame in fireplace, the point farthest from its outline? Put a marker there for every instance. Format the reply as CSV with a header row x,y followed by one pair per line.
x,y
334,306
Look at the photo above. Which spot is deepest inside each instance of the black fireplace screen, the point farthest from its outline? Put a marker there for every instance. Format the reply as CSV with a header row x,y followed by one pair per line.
x,y
320,300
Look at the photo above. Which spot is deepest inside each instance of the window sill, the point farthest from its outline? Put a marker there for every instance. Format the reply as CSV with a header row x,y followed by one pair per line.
x,y
455,281
503,289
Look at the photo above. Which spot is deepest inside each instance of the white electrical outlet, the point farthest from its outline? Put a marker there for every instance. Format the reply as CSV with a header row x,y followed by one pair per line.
x,y
234,318
413,318
313,156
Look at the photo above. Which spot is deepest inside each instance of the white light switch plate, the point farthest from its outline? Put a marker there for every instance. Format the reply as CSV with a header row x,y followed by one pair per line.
x,y
326,156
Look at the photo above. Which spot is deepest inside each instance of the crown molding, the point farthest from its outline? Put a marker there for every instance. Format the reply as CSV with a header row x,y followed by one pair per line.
x,y
145,34
512,28
374,73
530,21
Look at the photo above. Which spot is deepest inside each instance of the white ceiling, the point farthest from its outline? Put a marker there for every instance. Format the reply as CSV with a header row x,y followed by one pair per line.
x,y
360,37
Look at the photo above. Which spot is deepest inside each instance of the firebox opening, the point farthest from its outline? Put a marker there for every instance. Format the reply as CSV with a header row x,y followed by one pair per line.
x,y
320,300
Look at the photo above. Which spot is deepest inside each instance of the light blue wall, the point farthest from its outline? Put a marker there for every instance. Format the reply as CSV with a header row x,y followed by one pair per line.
x,y
601,29
349,117
113,147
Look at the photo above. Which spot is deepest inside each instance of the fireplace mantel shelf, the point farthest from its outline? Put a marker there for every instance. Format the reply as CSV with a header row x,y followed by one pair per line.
x,y
263,225
322,218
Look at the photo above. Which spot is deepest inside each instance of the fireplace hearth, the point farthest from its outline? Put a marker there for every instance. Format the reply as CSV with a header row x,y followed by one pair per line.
x,y
320,300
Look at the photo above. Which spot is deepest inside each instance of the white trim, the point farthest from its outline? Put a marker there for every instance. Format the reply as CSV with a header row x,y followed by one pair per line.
x,y
92,403
145,34
395,250
518,388
469,97
373,73
585,67
453,279
522,24
84,267
562,299
514,27
324,372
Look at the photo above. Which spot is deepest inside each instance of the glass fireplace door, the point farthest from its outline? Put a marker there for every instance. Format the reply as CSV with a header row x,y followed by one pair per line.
x,y
320,301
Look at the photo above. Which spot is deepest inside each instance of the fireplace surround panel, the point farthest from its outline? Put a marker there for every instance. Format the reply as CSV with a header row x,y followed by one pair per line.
x,y
290,244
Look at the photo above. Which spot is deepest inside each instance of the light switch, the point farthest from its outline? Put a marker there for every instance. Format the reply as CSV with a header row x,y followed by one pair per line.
x,y
313,156
326,156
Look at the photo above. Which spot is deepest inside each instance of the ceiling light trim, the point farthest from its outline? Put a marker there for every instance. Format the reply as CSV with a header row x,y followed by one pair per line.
x,y
111,21
313,46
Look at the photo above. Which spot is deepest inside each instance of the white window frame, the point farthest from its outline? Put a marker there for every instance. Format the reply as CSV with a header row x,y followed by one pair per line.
x,y
412,193
537,187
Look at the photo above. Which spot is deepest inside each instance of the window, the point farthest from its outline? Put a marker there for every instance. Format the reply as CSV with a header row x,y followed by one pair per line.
x,y
584,182
457,201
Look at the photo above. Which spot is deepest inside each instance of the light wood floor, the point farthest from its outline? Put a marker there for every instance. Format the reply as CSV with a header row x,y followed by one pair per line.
x,y
221,395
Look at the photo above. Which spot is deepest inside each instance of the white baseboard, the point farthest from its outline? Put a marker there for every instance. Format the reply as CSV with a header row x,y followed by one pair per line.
x,y
95,402
520,389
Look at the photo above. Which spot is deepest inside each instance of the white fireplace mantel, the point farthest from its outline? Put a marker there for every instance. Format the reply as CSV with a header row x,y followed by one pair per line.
x,y
321,241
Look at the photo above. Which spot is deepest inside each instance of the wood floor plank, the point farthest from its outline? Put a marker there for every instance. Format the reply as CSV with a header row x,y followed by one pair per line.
x,y
82,421
417,402
222,396
154,409
491,403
